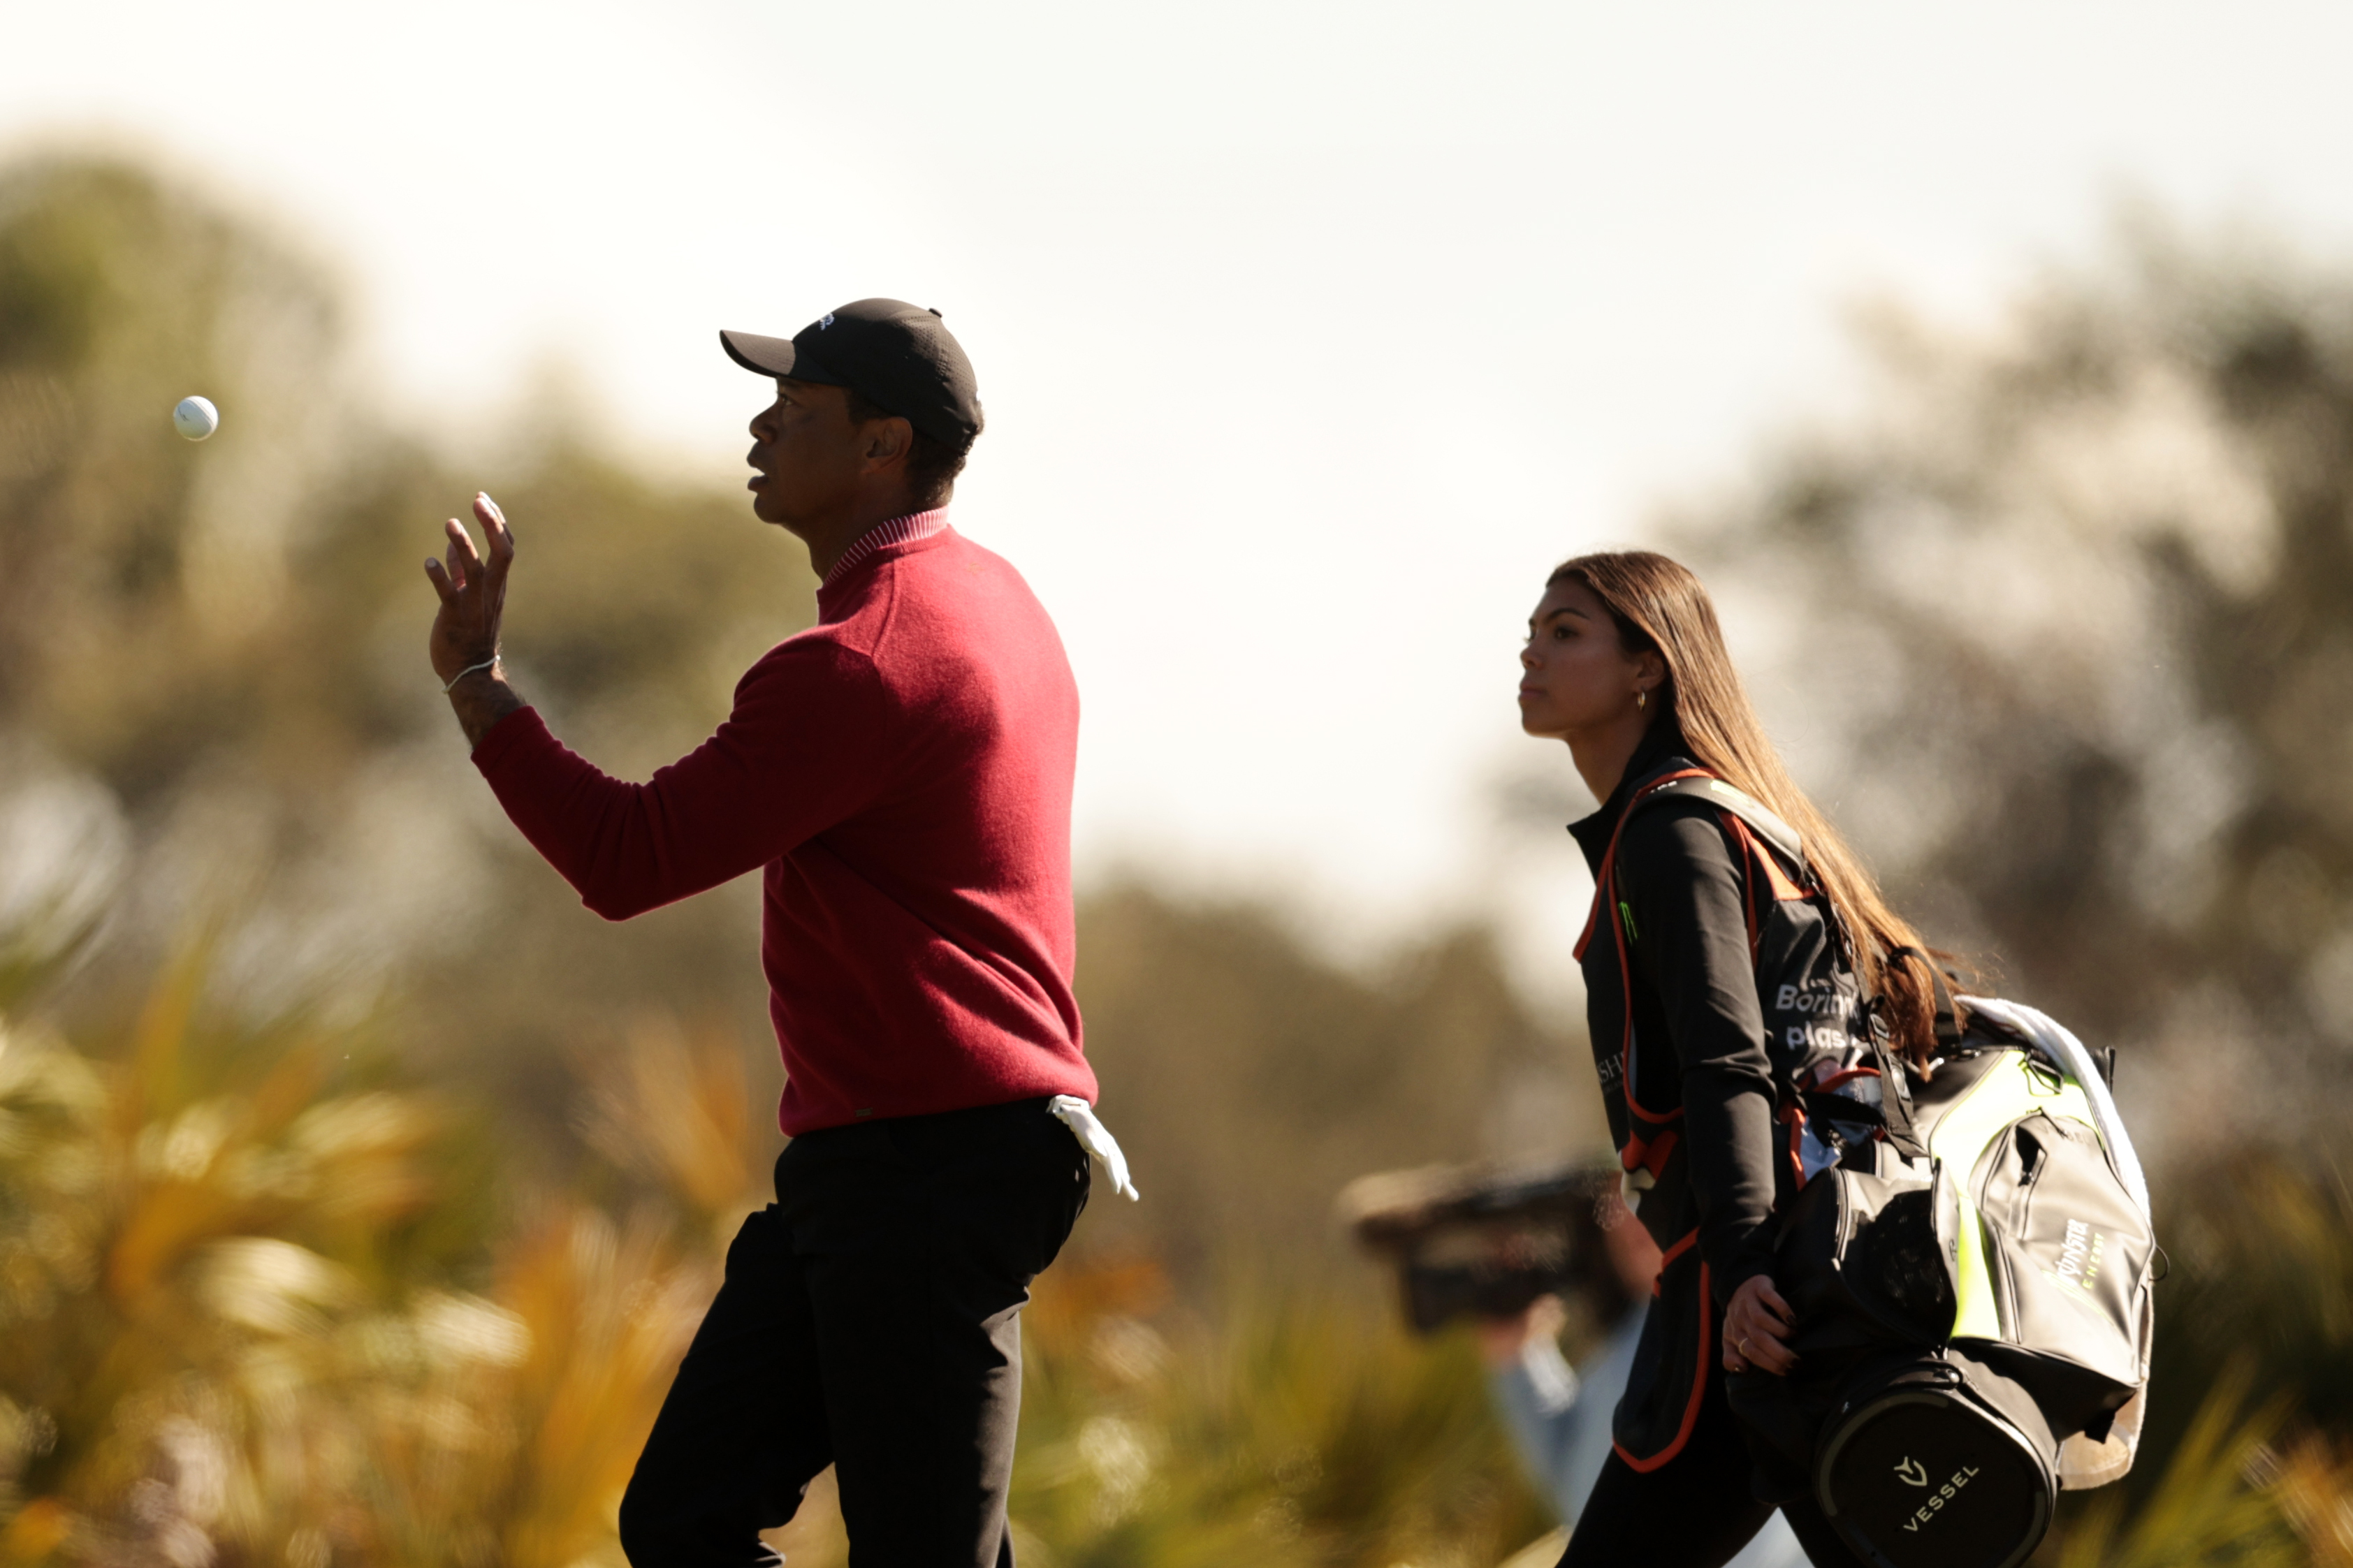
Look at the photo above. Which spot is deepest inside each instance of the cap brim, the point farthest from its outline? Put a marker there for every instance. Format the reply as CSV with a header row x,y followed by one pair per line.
x,y
775,356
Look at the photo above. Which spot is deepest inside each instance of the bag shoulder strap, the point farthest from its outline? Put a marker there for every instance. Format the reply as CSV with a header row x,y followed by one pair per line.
x,y
1742,805
1897,1107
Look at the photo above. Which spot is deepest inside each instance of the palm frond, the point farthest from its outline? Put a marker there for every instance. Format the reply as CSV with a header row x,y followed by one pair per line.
x,y
2214,1505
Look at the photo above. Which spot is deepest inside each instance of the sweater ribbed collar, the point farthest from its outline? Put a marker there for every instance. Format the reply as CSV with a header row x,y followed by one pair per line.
x,y
882,535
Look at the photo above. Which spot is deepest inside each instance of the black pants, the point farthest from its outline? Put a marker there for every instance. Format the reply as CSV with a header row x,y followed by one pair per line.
x,y
870,1320
1694,1512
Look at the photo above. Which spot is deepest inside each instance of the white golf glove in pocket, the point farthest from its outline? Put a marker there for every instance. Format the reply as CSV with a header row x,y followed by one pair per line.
x,y
1095,1138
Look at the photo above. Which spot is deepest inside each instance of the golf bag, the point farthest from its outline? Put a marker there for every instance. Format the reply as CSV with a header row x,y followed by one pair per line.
x,y
1969,1258
1973,1321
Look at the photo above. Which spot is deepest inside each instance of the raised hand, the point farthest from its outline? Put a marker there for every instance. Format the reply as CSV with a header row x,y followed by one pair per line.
x,y
464,642
473,594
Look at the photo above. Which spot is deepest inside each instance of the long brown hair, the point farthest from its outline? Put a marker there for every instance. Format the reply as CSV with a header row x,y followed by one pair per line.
x,y
1659,605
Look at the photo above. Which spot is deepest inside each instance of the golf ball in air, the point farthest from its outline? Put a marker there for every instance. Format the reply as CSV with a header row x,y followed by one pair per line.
x,y
195,417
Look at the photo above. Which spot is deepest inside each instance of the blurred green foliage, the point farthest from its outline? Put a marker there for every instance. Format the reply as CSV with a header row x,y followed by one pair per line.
x,y
259,1301
2210,1504
255,1305
1300,1430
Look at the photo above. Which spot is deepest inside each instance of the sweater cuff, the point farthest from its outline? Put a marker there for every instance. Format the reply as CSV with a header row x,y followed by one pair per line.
x,y
515,730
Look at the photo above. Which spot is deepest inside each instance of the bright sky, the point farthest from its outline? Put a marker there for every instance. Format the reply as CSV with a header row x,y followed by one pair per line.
x,y
1311,334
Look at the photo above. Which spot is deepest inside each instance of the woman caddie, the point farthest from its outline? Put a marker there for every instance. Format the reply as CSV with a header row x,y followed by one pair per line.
x,y
1625,662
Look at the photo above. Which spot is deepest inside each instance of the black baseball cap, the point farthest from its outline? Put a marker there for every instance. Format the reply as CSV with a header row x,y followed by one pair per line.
x,y
899,357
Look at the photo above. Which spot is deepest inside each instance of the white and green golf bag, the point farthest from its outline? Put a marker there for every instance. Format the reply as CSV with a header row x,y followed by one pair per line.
x,y
1973,1298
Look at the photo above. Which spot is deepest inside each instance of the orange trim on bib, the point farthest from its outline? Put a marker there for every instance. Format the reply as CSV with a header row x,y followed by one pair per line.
x,y
1699,1379
1648,1153
1671,1254
1605,895
1794,1117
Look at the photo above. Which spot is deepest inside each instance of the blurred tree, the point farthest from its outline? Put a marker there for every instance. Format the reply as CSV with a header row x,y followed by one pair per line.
x,y
2063,629
228,638
173,606
139,595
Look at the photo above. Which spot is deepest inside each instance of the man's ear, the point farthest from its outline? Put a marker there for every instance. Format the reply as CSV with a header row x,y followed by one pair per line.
x,y
887,440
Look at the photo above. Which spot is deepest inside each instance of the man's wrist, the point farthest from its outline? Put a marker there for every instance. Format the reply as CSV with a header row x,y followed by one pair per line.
x,y
481,697
489,663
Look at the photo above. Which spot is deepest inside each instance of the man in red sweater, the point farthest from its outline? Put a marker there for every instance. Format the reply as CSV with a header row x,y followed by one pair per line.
x,y
899,774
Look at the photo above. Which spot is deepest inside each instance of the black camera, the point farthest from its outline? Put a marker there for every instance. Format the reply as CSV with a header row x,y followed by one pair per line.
x,y
1484,1241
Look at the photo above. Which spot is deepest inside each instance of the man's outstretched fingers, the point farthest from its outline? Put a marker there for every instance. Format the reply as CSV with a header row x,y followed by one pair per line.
x,y
453,565
502,549
440,579
494,521
463,556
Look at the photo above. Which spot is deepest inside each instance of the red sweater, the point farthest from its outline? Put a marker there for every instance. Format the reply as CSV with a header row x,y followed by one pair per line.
x,y
901,770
